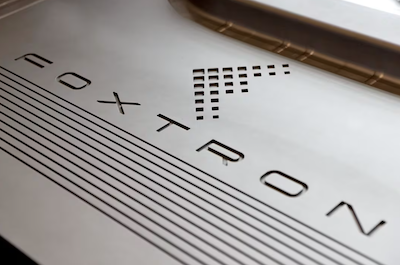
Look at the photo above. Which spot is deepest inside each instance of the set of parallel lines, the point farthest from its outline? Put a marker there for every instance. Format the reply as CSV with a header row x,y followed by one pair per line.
x,y
116,189
223,230
12,154
60,113
83,142
253,237
72,153
200,179
194,194
116,199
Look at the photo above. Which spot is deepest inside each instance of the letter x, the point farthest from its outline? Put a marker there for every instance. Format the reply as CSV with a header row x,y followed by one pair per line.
x,y
118,102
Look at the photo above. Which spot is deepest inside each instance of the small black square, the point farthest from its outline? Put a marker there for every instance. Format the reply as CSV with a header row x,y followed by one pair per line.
x,y
272,73
245,90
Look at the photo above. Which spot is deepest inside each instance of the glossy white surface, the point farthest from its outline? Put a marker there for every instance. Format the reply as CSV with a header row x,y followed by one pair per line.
x,y
354,17
389,6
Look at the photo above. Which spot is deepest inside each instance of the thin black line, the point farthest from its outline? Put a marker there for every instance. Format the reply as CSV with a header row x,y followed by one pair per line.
x,y
129,196
173,122
198,169
91,204
115,198
33,62
164,127
121,109
130,103
34,55
223,210
114,102
106,101
251,236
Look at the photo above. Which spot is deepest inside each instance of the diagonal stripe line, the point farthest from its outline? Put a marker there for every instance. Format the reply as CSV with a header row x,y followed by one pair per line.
x,y
118,102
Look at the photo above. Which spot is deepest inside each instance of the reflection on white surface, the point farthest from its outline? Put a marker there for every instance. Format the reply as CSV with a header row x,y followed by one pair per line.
x,y
390,6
